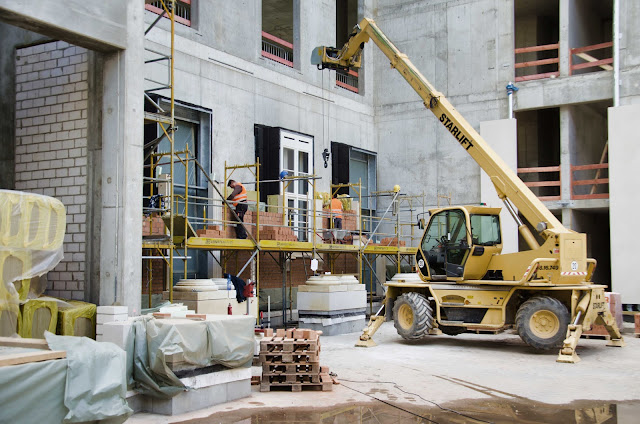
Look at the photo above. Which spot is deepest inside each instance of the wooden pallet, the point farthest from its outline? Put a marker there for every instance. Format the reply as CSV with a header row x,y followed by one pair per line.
x,y
323,383
596,336
289,368
298,357
282,344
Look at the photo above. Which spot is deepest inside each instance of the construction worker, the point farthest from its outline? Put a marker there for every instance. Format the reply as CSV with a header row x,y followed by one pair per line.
x,y
238,199
336,212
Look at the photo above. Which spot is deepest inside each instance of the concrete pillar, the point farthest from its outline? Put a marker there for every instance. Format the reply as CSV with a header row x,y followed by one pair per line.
x,y
624,157
502,136
568,219
563,37
567,135
122,158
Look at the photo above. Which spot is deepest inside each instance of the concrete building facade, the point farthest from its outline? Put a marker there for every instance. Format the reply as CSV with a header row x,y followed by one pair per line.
x,y
242,71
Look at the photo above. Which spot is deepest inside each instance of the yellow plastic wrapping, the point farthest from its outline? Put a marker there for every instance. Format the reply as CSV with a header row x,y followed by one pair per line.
x,y
345,200
32,228
77,319
39,315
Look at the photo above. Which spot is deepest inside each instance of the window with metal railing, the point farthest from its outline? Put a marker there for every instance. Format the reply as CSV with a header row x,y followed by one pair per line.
x,y
183,10
347,80
277,49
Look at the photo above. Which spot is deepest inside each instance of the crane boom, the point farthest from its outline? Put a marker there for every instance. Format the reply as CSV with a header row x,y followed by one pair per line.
x,y
509,186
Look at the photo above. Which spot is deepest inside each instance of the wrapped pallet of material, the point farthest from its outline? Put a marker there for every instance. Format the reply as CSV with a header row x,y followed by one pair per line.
x,y
39,315
77,319
32,228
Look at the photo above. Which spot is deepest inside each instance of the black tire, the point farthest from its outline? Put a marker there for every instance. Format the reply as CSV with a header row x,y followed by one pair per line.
x,y
451,330
541,322
412,316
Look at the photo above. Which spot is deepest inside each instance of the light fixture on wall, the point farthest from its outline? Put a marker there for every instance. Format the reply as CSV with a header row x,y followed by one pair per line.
x,y
325,156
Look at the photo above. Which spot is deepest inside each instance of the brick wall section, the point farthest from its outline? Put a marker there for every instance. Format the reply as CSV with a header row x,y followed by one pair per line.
x,y
271,274
51,146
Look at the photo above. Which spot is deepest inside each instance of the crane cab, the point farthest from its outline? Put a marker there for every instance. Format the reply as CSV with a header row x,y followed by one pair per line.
x,y
458,243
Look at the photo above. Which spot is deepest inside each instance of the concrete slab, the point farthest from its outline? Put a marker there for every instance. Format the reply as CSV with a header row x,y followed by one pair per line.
x,y
333,301
452,371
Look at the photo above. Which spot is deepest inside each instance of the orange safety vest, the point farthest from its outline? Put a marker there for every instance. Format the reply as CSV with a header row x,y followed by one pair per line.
x,y
336,208
240,197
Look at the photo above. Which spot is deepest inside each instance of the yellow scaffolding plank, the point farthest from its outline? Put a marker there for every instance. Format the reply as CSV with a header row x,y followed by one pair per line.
x,y
286,246
220,244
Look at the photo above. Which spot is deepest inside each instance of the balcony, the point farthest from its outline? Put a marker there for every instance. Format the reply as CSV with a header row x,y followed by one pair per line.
x,y
530,67
583,58
277,49
583,187
183,10
347,80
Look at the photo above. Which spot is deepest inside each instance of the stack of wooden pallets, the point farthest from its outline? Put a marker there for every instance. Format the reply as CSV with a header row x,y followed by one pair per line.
x,y
290,359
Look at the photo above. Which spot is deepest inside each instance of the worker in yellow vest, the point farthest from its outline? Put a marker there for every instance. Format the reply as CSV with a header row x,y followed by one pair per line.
x,y
336,212
238,199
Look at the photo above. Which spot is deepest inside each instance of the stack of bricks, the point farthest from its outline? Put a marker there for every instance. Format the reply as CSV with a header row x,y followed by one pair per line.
x,y
217,231
153,226
637,324
392,241
270,228
106,315
349,220
615,306
290,360
51,145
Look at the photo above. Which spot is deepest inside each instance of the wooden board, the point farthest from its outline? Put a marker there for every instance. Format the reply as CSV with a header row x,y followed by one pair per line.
x,y
26,343
27,357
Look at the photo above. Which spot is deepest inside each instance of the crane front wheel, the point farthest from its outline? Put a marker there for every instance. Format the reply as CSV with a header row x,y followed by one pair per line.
x,y
412,316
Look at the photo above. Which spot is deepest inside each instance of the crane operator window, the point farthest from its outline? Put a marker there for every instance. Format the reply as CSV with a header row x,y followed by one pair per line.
x,y
485,230
445,243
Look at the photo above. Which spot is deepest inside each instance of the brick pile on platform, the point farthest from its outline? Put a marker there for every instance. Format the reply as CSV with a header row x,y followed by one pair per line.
x,y
392,241
637,322
290,360
153,226
349,220
271,228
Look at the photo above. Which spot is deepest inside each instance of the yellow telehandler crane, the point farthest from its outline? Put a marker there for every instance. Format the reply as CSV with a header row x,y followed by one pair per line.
x,y
467,284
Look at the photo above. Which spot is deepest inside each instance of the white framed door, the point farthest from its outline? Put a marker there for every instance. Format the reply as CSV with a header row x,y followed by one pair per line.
x,y
296,152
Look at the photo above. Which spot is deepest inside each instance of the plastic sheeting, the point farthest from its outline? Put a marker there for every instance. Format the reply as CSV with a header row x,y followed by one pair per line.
x,y
33,393
32,228
96,383
224,340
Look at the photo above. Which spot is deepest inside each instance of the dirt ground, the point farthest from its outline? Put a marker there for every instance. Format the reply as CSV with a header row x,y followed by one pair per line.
x,y
459,379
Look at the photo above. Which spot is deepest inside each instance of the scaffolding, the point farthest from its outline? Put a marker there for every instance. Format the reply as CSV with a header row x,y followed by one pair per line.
x,y
176,224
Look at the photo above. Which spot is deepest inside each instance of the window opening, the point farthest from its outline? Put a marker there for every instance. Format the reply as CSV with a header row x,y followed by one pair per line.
x,y
277,31
183,10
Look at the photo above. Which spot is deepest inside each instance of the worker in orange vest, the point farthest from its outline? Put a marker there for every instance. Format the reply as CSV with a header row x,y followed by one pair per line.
x,y
238,199
336,212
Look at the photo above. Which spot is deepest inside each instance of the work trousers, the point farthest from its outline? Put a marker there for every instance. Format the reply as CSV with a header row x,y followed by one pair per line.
x,y
241,209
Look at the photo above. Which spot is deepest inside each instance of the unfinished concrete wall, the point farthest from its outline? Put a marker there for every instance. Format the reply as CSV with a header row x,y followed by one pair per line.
x,y
470,67
244,90
116,29
624,156
51,145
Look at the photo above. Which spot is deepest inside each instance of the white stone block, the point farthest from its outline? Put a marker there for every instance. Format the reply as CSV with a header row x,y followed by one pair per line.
x,y
103,319
117,333
112,310
218,377
332,301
